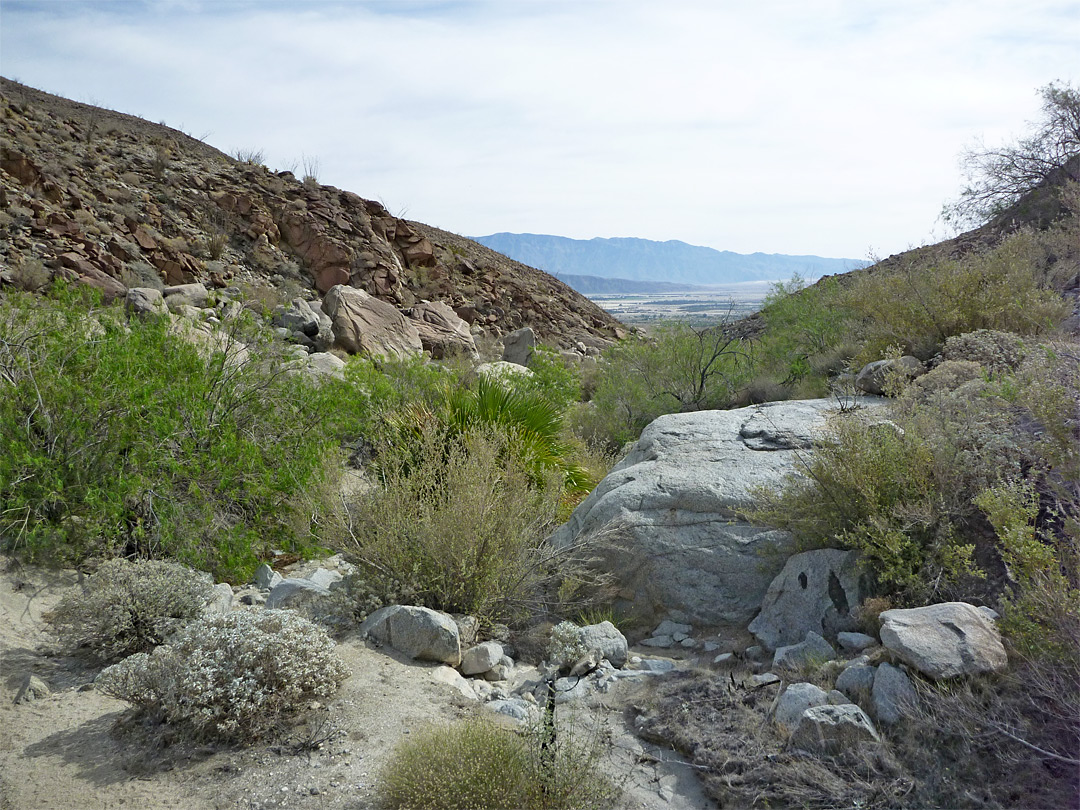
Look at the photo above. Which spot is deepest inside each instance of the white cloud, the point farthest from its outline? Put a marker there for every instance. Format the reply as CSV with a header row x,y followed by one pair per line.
x,y
795,127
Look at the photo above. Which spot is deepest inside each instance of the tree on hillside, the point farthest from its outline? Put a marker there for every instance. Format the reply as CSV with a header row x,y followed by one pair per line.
x,y
1050,154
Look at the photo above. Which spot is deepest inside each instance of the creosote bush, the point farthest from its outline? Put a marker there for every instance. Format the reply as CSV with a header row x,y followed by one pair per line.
x,y
477,765
130,606
232,677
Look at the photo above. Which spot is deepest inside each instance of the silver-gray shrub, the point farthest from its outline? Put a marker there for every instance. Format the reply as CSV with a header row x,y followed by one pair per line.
x,y
130,606
231,677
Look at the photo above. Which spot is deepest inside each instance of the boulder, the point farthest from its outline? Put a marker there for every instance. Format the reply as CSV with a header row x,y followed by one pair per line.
x,y
419,632
813,650
324,364
606,641
297,316
266,577
831,729
944,640
518,347
362,324
795,700
144,301
855,642
481,658
191,295
815,591
32,688
501,370
857,682
672,509
893,696
875,378
442,332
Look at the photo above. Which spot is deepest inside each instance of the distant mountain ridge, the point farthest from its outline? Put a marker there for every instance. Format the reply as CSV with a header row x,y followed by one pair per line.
x,y
647,260
597,285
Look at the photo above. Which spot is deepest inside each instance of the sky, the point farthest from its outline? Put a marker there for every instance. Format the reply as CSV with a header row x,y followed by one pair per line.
x,y
820,127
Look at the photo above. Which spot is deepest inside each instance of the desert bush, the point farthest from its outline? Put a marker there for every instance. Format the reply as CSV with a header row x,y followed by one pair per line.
x,y
124,439
997,352
804,324
232,677
460,522
679,368
565,645
552,378
130,606
477,765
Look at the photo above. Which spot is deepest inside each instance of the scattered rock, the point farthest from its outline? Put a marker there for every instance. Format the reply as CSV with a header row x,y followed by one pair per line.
x,y
855,642
944,640
814,650
857,682
32,688
893,696
796,699
481,658
832,729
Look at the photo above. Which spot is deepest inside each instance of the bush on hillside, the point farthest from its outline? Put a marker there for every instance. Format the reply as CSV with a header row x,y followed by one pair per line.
x,y
477,765
128,438
130,606
233,677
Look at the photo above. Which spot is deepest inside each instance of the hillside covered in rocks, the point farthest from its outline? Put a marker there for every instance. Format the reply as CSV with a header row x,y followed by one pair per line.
x,y
118,202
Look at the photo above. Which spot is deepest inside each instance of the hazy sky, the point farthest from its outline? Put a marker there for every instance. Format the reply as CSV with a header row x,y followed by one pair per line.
x,y
829,128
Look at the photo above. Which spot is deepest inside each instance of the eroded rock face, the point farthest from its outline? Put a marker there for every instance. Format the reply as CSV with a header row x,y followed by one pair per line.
x,y
362,324
672,505
816,591
946,640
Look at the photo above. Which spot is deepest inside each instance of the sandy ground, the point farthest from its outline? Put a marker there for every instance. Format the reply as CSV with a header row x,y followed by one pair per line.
x,y
78,749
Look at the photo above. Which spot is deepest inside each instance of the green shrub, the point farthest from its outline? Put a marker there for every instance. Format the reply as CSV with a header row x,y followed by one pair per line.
x,y
997,352
679,368
232,677
476,765
458,522
804,325
126,438
129,606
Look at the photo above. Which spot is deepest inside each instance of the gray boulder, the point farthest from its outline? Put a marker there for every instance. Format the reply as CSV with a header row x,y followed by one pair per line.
x,y
186,295
855,642
815,591
500,370
419,632
518,347
944,640
32,688
795,700
814,650
294,593
366,325
857,682
297,316
606,641
144,301
266,577
324,364
671,510
893,695
874,378
832,729
481,658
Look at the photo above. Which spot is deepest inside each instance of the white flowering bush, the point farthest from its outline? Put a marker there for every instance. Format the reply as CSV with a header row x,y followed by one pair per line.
x,y
130,606
565,645
231,677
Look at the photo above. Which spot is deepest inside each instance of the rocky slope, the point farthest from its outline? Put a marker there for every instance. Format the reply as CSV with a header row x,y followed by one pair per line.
x,y
115,201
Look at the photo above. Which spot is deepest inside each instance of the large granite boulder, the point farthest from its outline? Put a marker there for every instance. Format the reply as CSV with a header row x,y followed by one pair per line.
x,y
944,640
832,729
518,347
816,591
442,332
362,324
419,632
672,509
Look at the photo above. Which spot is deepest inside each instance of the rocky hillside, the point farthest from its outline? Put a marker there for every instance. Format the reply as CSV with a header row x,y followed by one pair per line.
x,y
115,201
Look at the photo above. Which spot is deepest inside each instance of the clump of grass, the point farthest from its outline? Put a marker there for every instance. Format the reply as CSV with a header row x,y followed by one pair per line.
x,y
477,765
